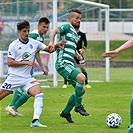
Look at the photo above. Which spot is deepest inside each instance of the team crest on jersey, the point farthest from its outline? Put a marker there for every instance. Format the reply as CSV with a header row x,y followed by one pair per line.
x,y
25,55
31,46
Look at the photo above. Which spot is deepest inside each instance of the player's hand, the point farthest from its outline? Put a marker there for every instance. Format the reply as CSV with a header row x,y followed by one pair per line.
x,y
51,47
31,63
79,57
110,54
60,44
45,72
82,50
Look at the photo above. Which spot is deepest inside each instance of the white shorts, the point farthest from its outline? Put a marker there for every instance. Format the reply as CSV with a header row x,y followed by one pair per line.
x,y
12,83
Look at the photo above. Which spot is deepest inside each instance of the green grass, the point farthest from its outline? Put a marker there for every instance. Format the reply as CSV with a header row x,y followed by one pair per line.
x,y
102,99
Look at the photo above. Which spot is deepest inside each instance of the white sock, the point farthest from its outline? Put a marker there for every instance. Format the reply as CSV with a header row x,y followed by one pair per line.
x,y
38,105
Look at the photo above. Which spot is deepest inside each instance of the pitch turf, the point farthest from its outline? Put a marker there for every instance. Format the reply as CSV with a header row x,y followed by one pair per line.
x,y
102,99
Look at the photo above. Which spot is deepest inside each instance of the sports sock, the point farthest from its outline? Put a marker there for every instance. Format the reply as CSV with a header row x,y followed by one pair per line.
x,y
21,100
86,77
78,94
38,105
70,104
17,94
65,81
131,112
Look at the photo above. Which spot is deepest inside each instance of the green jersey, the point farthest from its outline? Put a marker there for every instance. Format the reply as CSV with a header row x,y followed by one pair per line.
x,y
66,55
35,35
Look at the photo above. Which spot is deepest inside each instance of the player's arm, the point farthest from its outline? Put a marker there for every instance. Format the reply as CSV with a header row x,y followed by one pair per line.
x,y
38,58
51,46
13,63
58,44
78,56
52,37
114,53
84,39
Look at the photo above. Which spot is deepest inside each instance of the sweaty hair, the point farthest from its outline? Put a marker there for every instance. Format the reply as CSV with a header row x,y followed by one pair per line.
x,y
44,19
23,24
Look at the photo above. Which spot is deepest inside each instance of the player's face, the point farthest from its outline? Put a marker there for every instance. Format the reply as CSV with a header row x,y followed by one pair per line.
x,y
75,20
43,28
24,33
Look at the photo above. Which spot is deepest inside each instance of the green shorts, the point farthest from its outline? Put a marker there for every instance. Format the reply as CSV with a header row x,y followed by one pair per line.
x,y
68,71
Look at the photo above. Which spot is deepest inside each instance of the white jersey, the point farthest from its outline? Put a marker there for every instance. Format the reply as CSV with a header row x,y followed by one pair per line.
x,y
21,51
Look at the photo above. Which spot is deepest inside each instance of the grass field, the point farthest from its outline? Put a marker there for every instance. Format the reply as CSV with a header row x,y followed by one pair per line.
x,y
102,99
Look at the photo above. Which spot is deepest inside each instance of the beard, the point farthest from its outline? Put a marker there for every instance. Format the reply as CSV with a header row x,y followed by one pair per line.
x,y
76,26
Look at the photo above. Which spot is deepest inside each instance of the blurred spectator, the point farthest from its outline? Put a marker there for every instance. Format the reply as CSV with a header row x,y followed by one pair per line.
x,y
1,28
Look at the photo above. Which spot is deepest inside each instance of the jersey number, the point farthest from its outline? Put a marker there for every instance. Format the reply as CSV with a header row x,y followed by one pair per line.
x,y
6,86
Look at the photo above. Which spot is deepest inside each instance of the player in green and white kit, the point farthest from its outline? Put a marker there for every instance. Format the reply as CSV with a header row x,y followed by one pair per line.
x,y
20,97
65,63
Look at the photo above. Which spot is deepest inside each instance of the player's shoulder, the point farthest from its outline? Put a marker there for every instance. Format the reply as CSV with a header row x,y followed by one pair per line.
x,y
14,42
34,31
81,32
64,26
34,42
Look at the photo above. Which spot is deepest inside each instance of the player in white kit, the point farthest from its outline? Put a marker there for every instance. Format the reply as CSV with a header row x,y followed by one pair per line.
x,y
21,62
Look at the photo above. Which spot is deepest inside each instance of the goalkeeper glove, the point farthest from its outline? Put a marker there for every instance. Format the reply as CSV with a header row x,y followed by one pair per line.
x,y
82,50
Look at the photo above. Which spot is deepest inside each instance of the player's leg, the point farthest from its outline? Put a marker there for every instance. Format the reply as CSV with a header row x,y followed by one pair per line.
x,y
65,84
17,94
24,97
33,88
131,112
79,78
81,64
19,98
76,76
130,129
83,70
69,106
4,93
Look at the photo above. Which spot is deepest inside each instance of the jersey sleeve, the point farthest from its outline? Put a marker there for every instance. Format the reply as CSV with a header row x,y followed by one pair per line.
x,y
85,40
63,28
41,46
11,51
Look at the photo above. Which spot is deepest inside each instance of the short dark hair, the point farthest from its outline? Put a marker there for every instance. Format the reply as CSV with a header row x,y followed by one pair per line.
x,y
44,19
23,24
75,10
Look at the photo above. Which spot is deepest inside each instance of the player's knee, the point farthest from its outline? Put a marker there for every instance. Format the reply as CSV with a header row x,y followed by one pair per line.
x,y
81,78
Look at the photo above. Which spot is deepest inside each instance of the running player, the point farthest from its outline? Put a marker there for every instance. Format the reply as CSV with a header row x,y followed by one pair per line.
x,y
21,62
20,96
65,63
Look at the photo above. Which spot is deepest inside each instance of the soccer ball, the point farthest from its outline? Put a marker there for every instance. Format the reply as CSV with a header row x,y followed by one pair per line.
x,y
113,120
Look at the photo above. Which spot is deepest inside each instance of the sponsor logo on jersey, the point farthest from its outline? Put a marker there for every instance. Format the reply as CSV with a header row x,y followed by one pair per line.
x,y
73,37
25,55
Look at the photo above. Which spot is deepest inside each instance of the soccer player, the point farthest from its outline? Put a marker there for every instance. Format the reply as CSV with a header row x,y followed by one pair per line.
x,y
65,63
81,63
113,54
21,62
20,96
